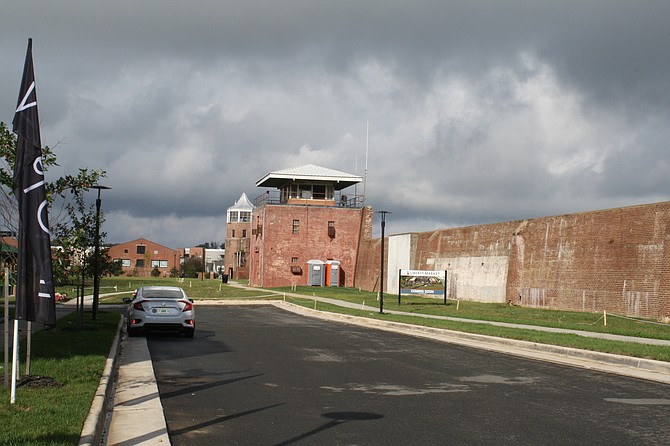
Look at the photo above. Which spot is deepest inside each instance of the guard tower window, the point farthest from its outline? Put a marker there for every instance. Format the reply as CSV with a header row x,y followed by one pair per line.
x,y
307,191
319,192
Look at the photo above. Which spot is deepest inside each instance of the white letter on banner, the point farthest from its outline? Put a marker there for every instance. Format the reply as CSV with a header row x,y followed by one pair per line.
x,y
42,207
22,106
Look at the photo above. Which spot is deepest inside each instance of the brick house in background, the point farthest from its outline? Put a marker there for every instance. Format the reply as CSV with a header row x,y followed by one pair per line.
x,y
140,257
197,252
238,238
306,224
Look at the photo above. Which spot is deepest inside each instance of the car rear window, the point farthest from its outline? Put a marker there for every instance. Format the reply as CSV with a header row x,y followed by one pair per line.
x,y
162,294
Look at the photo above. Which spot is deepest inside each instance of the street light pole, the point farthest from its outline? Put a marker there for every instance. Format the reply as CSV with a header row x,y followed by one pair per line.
x,y
381,277
96,254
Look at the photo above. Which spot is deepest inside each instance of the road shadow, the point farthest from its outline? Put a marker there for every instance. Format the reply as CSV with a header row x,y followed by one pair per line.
x,y
336,419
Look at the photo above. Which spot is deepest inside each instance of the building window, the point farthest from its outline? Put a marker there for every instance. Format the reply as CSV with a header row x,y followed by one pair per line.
x,y
295,268
331,229
233,233
319,192
245,216
244,233
125,251
296,226
141,249
307,191
125,263
139,263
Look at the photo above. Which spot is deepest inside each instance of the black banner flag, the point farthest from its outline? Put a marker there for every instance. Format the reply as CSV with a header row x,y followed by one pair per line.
x,y
34,286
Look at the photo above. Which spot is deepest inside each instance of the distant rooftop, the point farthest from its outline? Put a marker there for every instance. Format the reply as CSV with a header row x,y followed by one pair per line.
x,y
309,172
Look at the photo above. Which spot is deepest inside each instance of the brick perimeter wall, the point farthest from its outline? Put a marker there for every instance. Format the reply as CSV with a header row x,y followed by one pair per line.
x,y
612,260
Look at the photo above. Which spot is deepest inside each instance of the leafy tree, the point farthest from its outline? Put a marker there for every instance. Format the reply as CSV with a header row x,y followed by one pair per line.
x,y
212,245
192,266
72,225
63,188
73,239
109,267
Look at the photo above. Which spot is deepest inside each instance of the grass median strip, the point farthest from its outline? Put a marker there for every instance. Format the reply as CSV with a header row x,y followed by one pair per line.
x,y
660,353
66,367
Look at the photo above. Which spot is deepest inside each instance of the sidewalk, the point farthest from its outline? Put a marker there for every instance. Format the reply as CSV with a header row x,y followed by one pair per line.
x,y
137,417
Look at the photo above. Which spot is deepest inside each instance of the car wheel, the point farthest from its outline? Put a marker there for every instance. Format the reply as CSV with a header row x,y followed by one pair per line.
x,y
189,333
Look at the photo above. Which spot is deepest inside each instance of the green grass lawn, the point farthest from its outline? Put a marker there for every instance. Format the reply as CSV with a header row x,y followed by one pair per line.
x,y
53,412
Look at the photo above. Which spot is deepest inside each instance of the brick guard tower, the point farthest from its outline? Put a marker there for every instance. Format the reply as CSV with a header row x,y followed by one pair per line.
x,y
238,233
307,217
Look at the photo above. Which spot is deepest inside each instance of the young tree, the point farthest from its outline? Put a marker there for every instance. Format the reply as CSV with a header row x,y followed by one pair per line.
x,y
192,266
72,221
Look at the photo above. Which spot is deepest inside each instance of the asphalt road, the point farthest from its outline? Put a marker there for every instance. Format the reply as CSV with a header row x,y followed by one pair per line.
x,y
262,376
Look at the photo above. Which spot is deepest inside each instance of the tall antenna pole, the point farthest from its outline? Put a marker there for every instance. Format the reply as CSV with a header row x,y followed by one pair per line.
x,y
367,135
355,185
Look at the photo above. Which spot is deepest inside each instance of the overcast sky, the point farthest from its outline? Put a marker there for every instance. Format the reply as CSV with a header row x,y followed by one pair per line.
x,y
478,111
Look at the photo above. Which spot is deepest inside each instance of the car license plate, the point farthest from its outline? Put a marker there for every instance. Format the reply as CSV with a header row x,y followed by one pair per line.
x,y
164,311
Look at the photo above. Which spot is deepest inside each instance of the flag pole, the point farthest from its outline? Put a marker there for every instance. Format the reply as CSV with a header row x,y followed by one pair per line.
x,y
15,357
29,343
6,327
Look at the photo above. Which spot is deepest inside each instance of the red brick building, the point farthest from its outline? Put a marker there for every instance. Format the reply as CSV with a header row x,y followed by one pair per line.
x,y
307,218
238,238
140,257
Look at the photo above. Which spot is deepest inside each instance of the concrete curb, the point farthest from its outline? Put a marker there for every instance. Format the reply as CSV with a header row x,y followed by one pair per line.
x,y
647,369
94,425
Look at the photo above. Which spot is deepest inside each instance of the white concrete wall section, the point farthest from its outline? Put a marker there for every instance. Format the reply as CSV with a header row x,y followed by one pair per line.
x,y
399,257
481,279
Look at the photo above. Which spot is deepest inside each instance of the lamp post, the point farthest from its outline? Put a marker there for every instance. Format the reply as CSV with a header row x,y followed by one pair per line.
x,y
96,254
381,277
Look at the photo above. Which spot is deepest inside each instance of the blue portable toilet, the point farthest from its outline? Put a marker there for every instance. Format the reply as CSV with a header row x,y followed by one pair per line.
x,y
316,273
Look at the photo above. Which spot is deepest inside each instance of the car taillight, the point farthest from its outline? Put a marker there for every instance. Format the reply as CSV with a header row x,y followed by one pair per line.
x,y
138,305
188,306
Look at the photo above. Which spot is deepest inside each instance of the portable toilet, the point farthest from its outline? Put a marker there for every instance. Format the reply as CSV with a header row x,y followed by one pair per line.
x,y
316,273
332,273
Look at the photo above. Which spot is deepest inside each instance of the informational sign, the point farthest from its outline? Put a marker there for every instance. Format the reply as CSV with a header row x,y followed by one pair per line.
x,y
422,283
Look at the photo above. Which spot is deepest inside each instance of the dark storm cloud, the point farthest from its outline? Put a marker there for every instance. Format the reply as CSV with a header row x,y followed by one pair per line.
x,y
479,111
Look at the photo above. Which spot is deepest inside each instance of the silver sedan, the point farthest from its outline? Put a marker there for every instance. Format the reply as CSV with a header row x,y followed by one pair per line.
x,y
160,309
